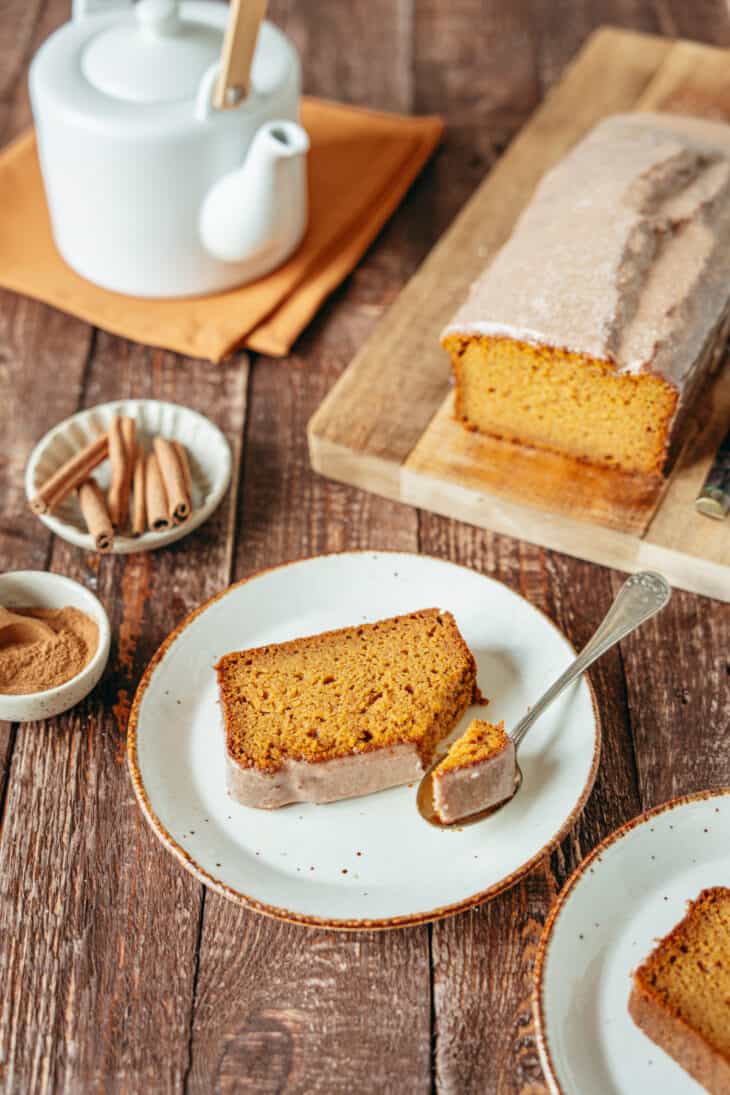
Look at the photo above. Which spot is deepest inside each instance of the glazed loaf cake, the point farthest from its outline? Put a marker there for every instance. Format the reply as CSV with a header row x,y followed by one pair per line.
x,y
594,326
343,713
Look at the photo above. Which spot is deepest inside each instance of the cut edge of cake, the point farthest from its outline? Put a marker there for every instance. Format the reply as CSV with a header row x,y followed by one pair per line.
x,y
477,772
652,194
659,1019
368,766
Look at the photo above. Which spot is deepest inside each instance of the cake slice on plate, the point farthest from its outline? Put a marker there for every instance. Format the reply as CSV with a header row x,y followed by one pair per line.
x,y
478,771
681,992
343,713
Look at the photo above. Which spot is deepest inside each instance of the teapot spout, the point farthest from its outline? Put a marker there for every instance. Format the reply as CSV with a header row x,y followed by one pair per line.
x,y
258,213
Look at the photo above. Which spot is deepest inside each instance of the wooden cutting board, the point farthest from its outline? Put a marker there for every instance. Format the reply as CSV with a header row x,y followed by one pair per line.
x,y
386,426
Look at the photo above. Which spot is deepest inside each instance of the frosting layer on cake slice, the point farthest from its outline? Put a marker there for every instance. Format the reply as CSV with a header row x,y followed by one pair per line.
x,y
596,322
343,713
478,771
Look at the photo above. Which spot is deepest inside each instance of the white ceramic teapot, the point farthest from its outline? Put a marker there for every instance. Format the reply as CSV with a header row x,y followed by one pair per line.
x,y
152,191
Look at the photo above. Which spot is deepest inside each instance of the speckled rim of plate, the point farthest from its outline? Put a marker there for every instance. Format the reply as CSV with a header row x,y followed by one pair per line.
x,y
538,1001
364,924
150,540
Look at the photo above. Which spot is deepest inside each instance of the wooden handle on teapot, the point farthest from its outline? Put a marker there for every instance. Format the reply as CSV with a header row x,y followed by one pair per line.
x,y
239,45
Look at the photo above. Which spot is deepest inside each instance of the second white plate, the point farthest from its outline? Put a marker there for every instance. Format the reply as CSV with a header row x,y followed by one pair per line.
x,y
370,861
630,891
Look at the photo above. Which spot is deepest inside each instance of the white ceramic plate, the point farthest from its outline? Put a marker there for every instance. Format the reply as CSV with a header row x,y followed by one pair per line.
x,y
630,891
208,450
370,861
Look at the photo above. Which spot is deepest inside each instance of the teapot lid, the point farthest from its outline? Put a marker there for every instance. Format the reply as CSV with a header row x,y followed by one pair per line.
x,y
154,57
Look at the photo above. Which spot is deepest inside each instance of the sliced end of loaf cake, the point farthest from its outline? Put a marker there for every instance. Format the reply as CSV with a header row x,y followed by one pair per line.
x,y
681,992
565,402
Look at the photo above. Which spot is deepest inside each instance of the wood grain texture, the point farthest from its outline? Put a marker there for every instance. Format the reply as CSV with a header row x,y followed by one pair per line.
x,y
271,999
100,955
24,26
678,682
520,479
30,337
484,1036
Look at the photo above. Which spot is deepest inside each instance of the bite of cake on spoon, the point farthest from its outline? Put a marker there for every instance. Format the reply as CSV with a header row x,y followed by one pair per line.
x,y
478,772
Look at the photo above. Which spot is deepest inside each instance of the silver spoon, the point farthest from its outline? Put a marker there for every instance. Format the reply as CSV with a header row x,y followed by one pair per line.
x,y
639,598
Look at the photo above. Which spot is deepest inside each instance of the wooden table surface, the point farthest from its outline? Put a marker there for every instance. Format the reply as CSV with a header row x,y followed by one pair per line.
x,y
120,972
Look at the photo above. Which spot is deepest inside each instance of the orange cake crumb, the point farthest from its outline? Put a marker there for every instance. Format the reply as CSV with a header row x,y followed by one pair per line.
x,y
481,740
402,680
681,992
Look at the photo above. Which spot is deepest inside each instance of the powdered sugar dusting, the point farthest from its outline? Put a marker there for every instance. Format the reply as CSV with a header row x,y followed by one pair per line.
x,y
623,254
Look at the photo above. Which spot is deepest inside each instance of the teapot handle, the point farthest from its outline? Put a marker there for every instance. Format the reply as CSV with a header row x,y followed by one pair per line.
x,y
82,9
204,99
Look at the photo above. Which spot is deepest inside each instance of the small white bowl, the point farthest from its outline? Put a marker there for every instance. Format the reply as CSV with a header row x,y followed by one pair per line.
x,y
208,450
38,589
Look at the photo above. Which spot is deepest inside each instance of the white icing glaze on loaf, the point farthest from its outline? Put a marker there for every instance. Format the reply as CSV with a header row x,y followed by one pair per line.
x,y
623,253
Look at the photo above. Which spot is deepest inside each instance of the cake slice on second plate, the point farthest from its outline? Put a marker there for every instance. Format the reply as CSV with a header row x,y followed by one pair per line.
x,y
343,713
478,771
681,992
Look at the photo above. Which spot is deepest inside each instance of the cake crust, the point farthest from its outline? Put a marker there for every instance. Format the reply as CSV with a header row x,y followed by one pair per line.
x,y
679,996
344,712
478,772
592,330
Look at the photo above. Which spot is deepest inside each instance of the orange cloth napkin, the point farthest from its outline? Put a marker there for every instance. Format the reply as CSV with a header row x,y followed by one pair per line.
x,y
361,163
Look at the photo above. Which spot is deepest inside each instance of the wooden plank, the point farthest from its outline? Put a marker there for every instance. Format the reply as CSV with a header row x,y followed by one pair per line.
x,y
33,337
100,923
450,473
278,1007
485,1039
25,26
678,680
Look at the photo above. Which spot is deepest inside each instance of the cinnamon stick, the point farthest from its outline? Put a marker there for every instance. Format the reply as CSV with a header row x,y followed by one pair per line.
x,y
158,516
178,496
70,475
122,432
182,455
96,515
139,504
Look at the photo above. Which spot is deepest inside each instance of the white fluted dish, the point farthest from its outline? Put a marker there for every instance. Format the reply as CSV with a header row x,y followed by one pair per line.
x,y
208,451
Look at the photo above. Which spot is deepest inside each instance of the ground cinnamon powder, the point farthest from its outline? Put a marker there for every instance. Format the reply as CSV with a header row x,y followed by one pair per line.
x,y
46,663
